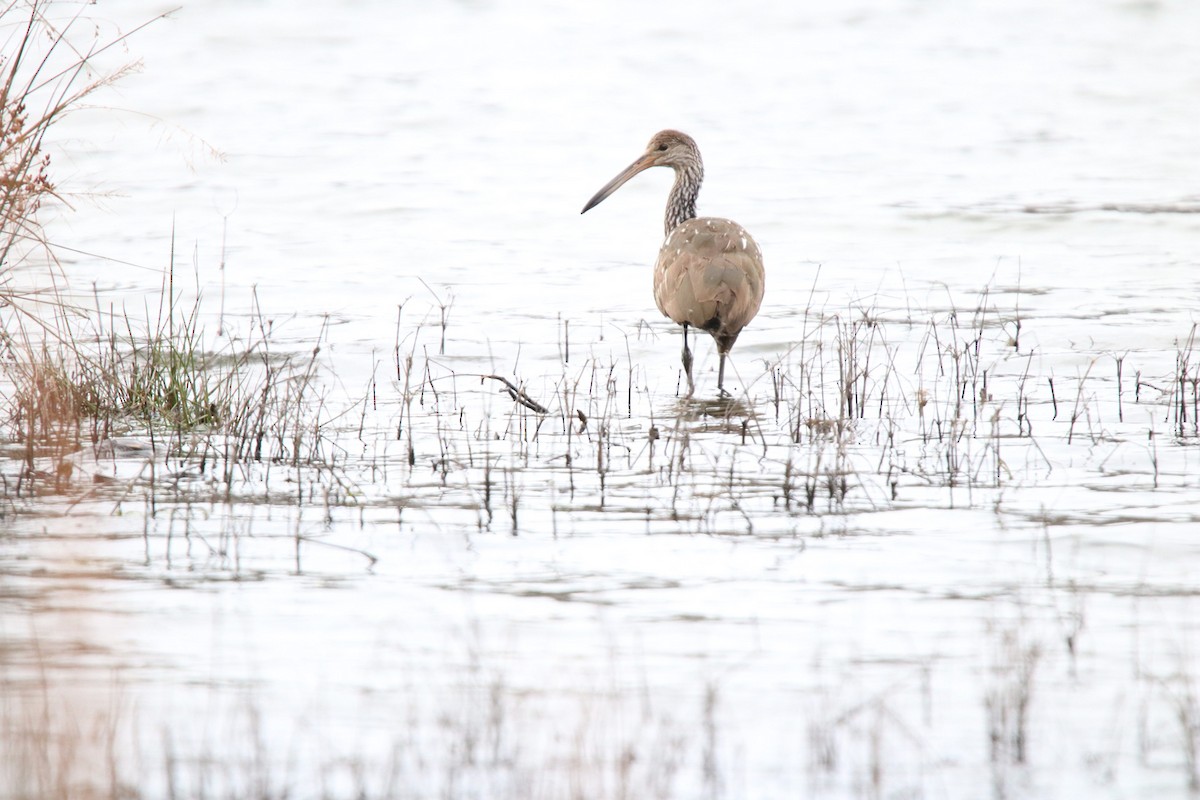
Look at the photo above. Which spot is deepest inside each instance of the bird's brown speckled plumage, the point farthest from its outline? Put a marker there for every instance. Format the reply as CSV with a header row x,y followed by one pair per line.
x,y
709,274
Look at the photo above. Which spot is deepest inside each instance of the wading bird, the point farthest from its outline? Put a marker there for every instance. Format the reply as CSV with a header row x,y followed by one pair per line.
x,y
709,273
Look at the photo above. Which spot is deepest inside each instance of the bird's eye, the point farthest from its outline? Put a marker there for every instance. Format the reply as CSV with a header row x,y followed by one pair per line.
x,y
662,148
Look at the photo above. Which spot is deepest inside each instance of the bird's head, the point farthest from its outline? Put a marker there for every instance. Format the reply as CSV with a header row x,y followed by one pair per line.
x,y
666,149
671,149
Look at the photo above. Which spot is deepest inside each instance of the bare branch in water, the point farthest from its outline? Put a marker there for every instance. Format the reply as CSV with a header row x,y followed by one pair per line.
x,y
518,394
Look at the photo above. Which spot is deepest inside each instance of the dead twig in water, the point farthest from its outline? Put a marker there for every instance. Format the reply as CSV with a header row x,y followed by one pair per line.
x,y
518,394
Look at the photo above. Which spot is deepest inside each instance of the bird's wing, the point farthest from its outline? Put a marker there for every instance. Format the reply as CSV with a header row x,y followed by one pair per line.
x,y
709,275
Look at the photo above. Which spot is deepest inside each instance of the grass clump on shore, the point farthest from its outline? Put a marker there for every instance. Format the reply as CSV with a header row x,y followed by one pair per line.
x,y
73,373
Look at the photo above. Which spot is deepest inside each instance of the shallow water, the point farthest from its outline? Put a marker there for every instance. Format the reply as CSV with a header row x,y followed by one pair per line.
x,y
975,581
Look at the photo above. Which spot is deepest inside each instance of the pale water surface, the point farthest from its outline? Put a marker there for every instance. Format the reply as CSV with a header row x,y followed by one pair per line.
x,y
977,580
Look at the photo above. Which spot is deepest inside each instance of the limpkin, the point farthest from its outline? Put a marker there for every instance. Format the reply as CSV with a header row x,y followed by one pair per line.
x,y
709,274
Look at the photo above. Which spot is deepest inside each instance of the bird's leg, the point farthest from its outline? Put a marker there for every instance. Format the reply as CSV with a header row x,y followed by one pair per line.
x,y
687,362
721,377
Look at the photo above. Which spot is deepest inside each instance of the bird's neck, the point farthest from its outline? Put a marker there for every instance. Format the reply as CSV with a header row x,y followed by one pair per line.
x,y
681,205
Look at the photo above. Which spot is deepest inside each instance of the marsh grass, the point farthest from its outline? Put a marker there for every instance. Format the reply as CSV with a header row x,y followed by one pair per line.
x,y
75,374
217,400
43,76
51,393
874,408
1185,388
47,69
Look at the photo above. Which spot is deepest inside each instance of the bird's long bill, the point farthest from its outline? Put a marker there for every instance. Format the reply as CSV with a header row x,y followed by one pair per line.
x,y
642,163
